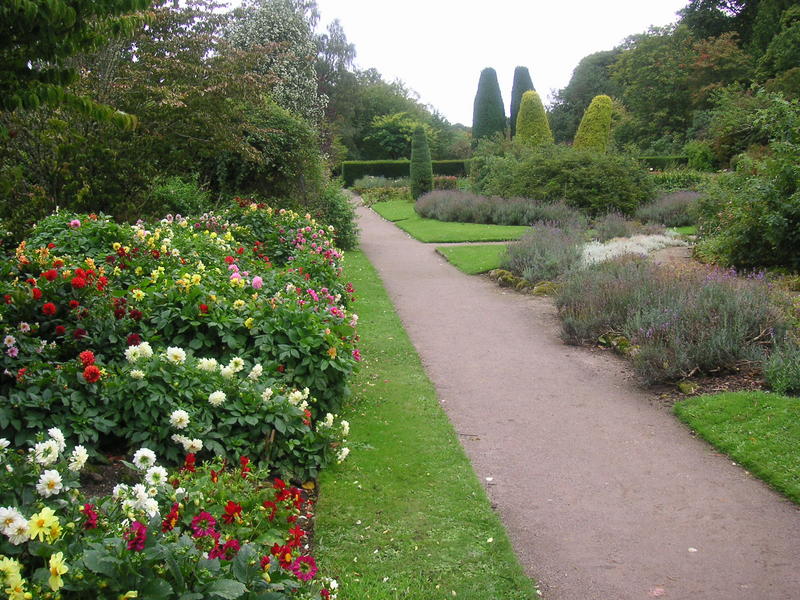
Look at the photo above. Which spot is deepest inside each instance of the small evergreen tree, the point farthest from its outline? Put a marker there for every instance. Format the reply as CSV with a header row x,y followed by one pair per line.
x,y
421,168
532,126
522,84
488,114
594,132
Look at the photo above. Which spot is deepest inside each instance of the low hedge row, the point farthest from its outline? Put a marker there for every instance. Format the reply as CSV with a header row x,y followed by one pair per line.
x,y
660,163
355,169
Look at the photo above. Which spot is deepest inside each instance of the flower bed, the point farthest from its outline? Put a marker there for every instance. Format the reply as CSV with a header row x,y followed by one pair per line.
x,y
105,326
218,530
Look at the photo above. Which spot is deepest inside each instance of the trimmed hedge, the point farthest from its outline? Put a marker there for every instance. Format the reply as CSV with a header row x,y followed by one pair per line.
x,y
356,169
661,163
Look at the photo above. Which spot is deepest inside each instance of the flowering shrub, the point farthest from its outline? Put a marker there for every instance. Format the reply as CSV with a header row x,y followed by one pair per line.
x,y
213,530
250,284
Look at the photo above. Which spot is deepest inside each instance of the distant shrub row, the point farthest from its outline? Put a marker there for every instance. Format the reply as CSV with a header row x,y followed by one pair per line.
x,y
356,169
660,163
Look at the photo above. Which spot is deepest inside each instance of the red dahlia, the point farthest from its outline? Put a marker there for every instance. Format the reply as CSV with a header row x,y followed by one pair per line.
x,y
91,374
49,308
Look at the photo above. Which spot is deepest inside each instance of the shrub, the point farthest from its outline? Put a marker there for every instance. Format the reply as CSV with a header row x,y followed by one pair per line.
x,y
673,180
670,210
661,163
421,170
544,253
594,183
782,369
700,155
373,195
445,182
676,323
378,181
467,207
488,113
397,169
177,195
532,127
522,83
594,131
612,225
335,210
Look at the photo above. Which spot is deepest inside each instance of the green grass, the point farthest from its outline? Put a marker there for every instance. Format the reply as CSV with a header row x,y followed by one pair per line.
x,y
395,210
474,259
431,230
760,431
687,230
404,517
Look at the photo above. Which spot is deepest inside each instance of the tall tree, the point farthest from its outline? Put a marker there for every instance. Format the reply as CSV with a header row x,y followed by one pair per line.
x,y
532,126
488,114
522,83
39,36
421,168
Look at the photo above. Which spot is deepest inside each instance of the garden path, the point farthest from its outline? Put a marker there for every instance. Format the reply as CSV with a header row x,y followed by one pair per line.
x,y
605,495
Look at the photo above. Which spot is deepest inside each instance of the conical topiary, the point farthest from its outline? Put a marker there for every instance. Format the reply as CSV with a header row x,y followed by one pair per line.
x,y
522,84
488,114
532,126
421,169
594,132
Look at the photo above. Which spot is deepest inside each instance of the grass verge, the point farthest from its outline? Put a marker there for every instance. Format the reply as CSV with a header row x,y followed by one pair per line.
x,y
405,516
395,210
430,230
474,259
687,230
759,430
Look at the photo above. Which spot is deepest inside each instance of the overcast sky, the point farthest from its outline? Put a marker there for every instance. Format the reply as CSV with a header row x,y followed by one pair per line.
x,y
439,47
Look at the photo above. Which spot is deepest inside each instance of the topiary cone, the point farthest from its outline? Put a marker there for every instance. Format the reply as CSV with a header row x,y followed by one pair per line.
x,y
421,168
594,132
532,126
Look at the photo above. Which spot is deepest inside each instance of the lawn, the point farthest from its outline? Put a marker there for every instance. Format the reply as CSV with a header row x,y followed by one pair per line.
x,y
474,259
430,230
759,430
687,230
405,516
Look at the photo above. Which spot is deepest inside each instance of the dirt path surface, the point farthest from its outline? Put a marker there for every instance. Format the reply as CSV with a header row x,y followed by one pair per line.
x,y
605,496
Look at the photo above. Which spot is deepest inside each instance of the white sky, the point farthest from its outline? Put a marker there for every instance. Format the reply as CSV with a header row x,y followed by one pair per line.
x,y
439,47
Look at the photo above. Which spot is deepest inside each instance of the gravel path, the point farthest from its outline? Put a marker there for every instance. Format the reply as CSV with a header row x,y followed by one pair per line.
x,y
605,496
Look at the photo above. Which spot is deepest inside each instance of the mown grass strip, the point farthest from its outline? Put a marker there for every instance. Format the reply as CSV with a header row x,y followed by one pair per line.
x,y
759,430
395,210
405,516
473,260
686,230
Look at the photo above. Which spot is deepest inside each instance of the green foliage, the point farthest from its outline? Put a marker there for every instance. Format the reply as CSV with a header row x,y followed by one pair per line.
x,y
751,217
589,79
677,323
532,127
700,155
390,135
388,194
183,196
394,169
282,158
39,39
782,369
522,83
662,163
335,210
783,52
488,112
421,170
593,183
594,132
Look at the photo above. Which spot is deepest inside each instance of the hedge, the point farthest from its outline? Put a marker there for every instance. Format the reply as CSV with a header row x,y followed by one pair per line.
x,y
355,169
664,162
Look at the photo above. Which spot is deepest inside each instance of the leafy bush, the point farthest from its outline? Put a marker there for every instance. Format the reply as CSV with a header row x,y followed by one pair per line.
x,y
544,253
394,169
700,155
218,529
177,195
593,183
782,369
673,180
373,195
677,323
662,163
466,207
594,131
335,210
421,171
670,210
445,182
532,128
378,181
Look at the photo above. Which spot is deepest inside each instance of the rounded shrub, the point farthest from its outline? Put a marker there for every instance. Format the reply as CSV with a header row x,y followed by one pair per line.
x,y
421,170
700,155
532,126
594,132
